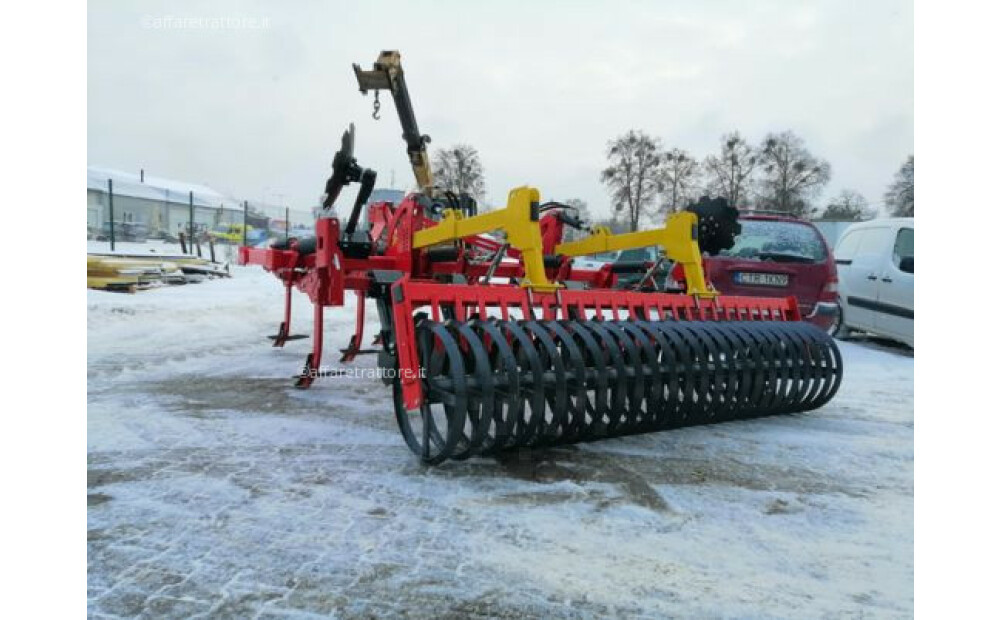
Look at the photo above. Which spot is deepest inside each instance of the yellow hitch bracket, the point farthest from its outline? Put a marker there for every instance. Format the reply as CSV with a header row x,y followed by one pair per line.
x,y
519,220
678,240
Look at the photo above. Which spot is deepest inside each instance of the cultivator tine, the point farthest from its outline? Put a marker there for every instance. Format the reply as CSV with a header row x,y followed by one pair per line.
x,y
353,350
308,374
283,336
354,345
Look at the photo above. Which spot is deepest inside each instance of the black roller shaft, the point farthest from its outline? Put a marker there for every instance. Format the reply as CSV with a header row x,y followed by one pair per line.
x,y
492,385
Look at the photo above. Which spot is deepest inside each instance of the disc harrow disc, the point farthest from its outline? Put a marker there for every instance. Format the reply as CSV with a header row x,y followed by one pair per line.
x,y
492,385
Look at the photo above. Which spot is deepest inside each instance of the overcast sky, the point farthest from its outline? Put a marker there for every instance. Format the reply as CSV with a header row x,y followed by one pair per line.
x,y
254,107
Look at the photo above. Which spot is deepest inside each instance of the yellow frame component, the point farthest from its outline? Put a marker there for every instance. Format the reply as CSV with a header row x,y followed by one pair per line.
x,y
678,239
519,220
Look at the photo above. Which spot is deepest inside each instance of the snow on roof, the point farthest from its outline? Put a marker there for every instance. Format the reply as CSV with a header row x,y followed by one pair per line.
x,y
156,188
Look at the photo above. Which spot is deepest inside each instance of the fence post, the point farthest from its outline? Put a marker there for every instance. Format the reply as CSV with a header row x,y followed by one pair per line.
x,y
244,222
111,213
191,217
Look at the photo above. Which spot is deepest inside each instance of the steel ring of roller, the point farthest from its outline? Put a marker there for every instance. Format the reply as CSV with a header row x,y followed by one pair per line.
x,y
479,399
616,373
524,383
595,424
650,383
508,403
529,423
663,402
557,400
575,428
683,372
436,360
808,379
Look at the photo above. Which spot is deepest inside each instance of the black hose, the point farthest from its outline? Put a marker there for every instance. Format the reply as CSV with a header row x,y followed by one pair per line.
x,y
552,204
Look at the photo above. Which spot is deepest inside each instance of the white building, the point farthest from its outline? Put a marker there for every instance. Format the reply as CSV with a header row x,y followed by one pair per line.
x,y
164,205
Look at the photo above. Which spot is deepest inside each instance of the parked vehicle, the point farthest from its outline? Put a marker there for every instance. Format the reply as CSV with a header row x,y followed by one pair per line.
x,y
875,262
124,231
595,261
632,266
230,233
777,255
162,235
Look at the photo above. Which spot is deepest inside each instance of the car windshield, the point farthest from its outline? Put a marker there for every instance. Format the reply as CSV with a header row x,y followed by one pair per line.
x,y
605,256
778,241
634,254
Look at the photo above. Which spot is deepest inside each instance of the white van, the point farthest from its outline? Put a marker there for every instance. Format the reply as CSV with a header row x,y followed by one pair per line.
x,y
875,269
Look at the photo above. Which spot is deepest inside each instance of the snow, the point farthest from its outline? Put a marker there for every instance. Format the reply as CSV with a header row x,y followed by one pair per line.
x,y
157,188
217,489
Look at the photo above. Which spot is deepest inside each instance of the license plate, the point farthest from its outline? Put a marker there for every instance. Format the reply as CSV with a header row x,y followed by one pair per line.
x,y
761,279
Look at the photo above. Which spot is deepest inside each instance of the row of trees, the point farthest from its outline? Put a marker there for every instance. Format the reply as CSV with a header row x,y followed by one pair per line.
x,y
849,205
646,180
780,174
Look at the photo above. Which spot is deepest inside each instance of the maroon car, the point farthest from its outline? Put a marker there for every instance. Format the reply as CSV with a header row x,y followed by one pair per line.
x,y
778,255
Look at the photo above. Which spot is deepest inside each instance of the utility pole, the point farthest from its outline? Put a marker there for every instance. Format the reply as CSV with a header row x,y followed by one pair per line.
x,y
191,217
244,222
111,213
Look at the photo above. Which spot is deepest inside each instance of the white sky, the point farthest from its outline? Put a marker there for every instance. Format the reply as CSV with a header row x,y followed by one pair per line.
x,y
538,90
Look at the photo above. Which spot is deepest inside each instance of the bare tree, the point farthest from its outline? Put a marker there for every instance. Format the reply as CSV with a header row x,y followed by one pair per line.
x,y
792,176
582,212
614,224
848,206
680,179
730,174
459,170
899,196
634,175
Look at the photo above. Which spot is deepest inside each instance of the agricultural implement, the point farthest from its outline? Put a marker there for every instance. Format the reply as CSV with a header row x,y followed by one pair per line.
x,y
491,339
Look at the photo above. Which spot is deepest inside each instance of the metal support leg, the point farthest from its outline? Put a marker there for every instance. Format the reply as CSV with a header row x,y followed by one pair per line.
x,y
311,370
283,334
354,346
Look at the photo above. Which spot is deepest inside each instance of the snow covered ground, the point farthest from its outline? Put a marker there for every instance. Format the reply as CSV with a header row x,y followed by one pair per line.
x,y
217,489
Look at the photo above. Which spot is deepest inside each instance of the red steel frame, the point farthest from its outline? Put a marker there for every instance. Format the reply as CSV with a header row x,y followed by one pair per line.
x,y
408,296
327,273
